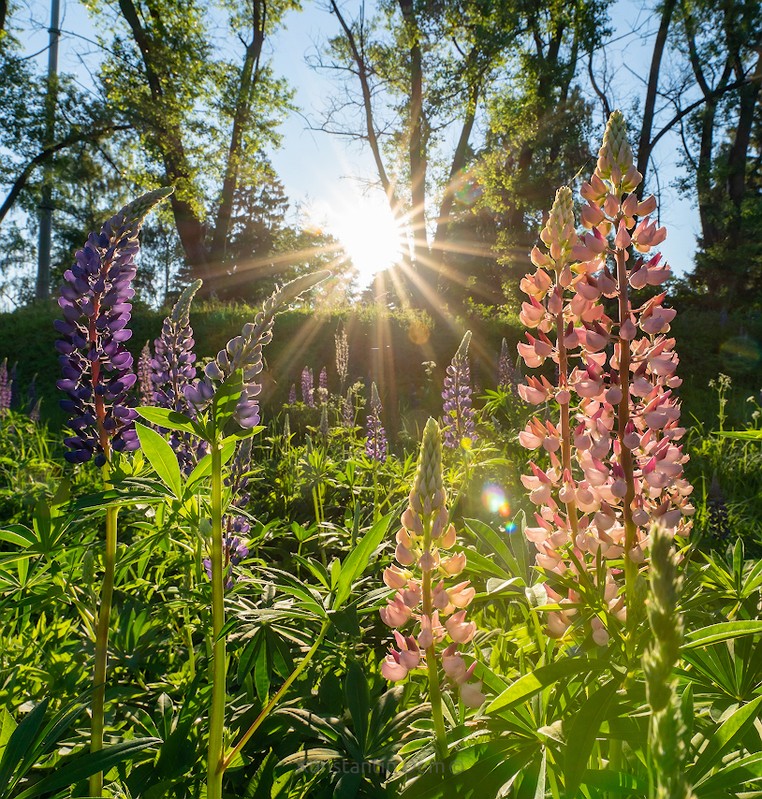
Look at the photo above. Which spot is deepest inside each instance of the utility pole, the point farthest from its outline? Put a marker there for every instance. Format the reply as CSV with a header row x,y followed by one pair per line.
x,y
42,290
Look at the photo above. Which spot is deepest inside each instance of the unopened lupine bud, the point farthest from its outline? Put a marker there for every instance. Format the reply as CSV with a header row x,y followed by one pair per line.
x,y
244,352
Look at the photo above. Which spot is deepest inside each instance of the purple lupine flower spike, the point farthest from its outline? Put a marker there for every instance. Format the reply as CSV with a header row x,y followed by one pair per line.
x,y
97,369
245,352
458,422
172,369
307,390
323,386
5,387
144,375
173,365
233,552
375,441
292,394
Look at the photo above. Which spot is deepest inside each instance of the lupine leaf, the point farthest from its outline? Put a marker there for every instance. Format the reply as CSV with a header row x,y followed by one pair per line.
x,y
21,742
171,420
724,631
534,682
732,776
581,735
82,767
357,698
162,457
358,559
19,535
724,736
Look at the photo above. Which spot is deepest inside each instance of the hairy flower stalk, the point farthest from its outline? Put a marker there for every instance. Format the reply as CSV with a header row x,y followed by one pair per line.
x,y
458,413
422,596
97,375
666,732
375,439
615,462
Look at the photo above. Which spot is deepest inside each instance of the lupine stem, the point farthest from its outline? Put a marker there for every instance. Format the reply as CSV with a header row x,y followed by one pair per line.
x,y
101,637
630,532
219,666
277,696
435,694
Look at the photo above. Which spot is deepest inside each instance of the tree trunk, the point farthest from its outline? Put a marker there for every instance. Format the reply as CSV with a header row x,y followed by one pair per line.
x,y
246,89
645,146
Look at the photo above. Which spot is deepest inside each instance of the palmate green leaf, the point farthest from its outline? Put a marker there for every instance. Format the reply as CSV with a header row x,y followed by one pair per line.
x,y
477,772
614,783
732,776
19,535
581,735
7,726
170,420
724,631
494,543
358,559
83,766
21,742
727,734
535,681
162,457
357,697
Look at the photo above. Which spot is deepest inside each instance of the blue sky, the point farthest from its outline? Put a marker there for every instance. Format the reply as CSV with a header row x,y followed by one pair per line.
x,y
326,175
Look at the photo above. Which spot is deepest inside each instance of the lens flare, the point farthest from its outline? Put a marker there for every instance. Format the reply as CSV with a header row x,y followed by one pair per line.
x,y
495,501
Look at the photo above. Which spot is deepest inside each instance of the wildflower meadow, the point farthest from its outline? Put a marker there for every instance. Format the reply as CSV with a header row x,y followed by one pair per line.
x,y
380,407
506,562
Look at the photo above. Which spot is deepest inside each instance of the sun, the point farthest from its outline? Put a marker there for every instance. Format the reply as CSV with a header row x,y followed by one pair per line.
x,y
367,231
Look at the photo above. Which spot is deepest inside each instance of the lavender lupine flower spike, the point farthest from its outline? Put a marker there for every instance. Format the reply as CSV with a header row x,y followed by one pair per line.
x,y
97,369
323,386
245,352
173,365
375,442
5,387
458,422
342,354
308,397
144,375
